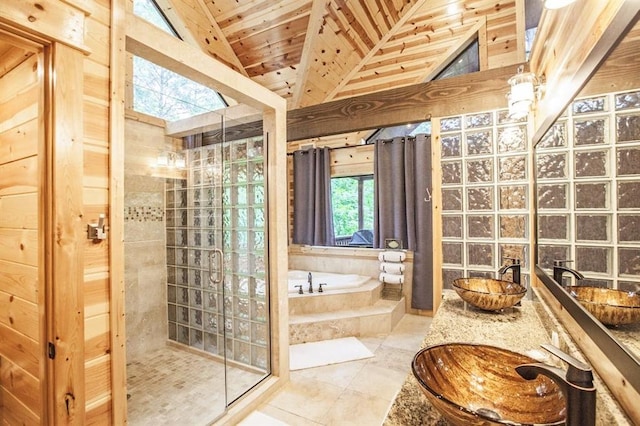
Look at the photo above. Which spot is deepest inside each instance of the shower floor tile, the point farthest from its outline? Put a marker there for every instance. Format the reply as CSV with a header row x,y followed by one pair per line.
x,y
175,386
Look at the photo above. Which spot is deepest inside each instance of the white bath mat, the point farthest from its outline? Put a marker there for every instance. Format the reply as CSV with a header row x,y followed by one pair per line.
x,y
260,419
325,352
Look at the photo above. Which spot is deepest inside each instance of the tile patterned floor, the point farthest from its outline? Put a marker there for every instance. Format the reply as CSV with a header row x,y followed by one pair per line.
x,y
174,386
350,393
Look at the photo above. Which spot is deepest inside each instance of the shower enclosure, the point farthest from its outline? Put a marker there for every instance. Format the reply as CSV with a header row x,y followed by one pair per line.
x,y
217,288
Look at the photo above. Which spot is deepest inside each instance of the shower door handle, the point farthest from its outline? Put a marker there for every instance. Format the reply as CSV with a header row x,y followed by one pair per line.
x,y
216,276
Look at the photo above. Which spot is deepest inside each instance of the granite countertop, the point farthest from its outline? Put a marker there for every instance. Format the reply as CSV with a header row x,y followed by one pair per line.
x,y
521,329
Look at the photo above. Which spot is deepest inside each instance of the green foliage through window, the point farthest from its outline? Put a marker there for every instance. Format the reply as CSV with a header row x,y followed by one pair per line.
x,y
352,204
160,92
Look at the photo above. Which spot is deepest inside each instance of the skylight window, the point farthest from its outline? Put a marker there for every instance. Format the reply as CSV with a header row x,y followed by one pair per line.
x,y
149,11
160,92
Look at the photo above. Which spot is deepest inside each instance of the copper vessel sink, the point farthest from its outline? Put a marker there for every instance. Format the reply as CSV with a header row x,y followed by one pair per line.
x,y
610,307
489,294
478,385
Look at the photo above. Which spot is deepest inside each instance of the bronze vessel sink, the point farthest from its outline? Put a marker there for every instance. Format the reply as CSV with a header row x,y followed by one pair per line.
x,y
609,306
489,294
478,385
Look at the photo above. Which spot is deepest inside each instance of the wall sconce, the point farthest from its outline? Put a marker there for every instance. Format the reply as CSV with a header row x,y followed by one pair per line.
x,y
557,4
522,94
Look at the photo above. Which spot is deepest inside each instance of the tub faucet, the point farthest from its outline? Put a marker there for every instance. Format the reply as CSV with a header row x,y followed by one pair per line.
x,y
310,281
515,265
559,269
576,385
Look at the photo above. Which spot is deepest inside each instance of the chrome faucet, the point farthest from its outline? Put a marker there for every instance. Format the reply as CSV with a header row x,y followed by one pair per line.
x,y
310,281
559,269
576,385
515,265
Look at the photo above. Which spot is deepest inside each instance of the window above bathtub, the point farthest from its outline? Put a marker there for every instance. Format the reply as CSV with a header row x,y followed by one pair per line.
x,y
352,205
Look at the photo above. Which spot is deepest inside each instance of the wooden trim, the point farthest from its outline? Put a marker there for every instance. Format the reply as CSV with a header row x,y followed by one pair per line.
x,y
45,202
67,256
117,70
436,205
212,121
483,47
51,19
153,44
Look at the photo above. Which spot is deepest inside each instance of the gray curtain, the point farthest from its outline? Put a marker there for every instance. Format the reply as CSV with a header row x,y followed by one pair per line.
x,y
312,216
402,182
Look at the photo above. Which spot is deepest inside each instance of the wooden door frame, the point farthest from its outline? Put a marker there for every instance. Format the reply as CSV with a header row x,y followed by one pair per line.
x,y
60,234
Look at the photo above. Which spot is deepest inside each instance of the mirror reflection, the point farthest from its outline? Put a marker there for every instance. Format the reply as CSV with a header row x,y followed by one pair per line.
x,y
588,202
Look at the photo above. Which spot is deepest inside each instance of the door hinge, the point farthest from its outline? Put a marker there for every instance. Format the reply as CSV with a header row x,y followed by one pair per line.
x,y
52,351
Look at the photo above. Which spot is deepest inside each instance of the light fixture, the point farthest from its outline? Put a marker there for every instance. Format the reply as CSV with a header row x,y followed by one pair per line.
x,y
171,160
522,94
557,4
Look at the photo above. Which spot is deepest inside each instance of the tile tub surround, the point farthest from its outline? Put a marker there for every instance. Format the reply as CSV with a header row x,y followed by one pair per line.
x,y
519,329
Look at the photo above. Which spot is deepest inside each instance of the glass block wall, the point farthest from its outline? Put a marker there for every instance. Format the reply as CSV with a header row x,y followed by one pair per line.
x,y
485,201
220,205
588,184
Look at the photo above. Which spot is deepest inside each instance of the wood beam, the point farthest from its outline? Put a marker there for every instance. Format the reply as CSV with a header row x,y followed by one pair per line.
x,y
316,17
595,28
475,92
153,44
396,27
465,94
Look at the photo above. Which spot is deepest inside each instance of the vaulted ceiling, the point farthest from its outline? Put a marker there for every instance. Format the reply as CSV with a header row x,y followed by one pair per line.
x,y
314,51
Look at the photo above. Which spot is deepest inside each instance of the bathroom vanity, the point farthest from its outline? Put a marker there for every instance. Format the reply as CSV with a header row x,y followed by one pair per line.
x,y
520,329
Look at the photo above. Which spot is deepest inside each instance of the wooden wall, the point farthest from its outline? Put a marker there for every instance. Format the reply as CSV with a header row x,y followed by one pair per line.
x,y
97,308
21,302
79,35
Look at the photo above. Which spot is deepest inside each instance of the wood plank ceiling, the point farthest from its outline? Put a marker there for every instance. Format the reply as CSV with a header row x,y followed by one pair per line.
x,y
314,51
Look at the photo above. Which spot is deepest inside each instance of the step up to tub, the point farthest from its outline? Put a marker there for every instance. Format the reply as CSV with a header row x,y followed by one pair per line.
x,y
379,318
335,300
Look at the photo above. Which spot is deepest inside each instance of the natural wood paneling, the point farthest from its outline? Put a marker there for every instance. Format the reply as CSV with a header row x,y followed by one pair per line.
x,y
14,412
19,246
96,336
20,315
19,177
19,211
98,378
21,350
19,280
21,385
19,142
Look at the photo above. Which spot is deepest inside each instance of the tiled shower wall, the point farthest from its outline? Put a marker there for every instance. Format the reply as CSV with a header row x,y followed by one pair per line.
x,y
485,202
588,183
220,205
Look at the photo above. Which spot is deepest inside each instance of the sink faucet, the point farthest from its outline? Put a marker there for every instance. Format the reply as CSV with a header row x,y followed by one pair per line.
x,y
515,265
576,385
559,269
310,281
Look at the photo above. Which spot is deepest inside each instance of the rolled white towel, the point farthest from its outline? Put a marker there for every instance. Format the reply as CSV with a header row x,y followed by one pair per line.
x,y
392,268
392,256
391,278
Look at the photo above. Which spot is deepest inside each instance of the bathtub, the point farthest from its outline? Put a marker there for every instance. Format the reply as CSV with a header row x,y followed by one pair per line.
x,y
334,281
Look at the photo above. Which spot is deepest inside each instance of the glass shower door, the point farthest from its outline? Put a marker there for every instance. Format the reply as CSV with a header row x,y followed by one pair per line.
x,y
245,289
